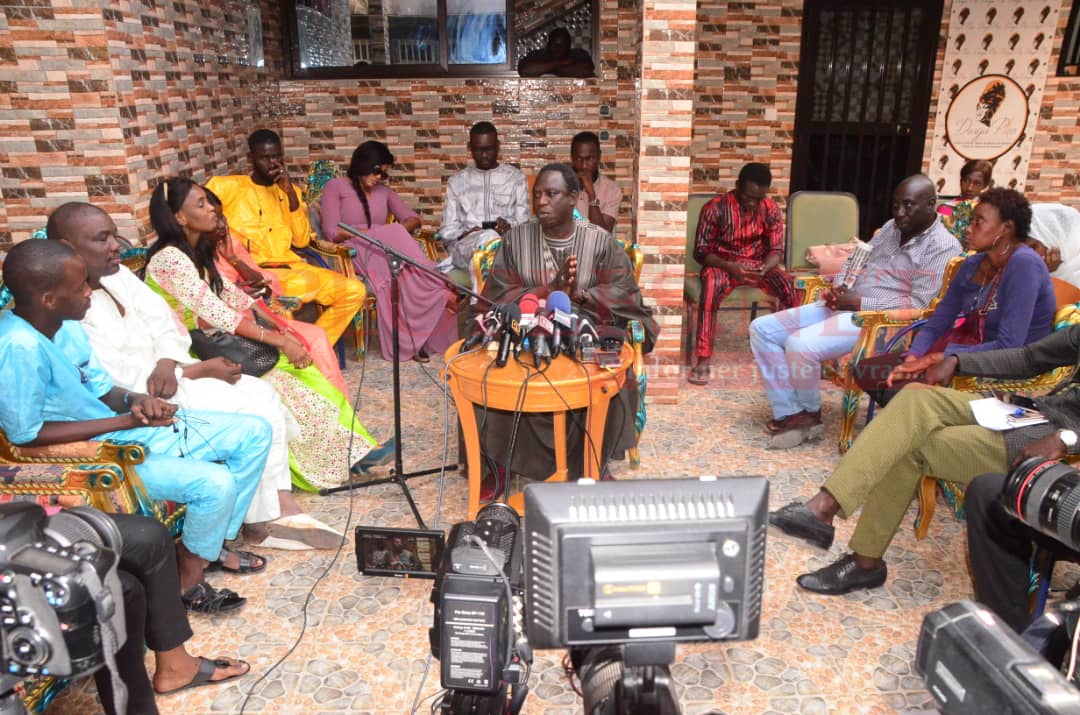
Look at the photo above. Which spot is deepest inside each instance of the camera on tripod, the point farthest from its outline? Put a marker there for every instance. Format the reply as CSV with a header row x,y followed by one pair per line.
x,y
971,662
618,572
61,603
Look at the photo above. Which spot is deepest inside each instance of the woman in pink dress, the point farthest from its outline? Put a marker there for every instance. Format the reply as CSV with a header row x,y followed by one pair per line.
x,y
236,265
427,323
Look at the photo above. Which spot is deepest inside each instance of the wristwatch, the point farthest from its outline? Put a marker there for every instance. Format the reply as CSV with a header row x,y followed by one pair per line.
x,y
1068,438
595,202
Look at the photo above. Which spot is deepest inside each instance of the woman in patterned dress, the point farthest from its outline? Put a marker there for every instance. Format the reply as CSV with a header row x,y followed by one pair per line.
x,y
181,267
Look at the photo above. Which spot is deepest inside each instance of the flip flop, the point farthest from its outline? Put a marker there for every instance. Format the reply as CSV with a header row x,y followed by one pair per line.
x,y
277,542
695,378
204,598
305,521
206,671
249,563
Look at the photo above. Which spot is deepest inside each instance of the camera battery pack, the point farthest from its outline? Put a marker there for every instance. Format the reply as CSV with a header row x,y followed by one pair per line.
x,y
473,635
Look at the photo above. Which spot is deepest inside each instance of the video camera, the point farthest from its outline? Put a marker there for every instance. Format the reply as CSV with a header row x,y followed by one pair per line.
x,y
477,632
971,662
616,571
61,603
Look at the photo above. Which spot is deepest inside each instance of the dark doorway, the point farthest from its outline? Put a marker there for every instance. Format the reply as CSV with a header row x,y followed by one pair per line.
x,y
865,75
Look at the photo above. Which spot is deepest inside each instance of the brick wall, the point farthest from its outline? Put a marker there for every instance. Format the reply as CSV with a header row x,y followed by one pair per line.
x,y
1052,173
745,87
426,122
99,100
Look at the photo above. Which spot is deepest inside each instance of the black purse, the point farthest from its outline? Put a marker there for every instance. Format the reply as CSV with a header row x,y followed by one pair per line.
x,y
255,358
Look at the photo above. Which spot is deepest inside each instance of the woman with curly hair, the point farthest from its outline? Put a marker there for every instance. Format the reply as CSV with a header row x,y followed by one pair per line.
x,y
1000,297
427,323
181,266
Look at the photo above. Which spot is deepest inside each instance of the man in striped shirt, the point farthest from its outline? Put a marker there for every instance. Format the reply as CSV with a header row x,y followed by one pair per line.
x,y
740,241
905,268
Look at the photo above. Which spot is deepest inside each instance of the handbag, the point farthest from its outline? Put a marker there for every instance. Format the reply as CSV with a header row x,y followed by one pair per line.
x,y
255,358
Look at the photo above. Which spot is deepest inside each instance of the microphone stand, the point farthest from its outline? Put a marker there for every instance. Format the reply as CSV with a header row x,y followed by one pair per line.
x,y
398,475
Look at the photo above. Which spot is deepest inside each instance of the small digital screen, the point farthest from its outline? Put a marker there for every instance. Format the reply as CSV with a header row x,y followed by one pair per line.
x,y
414,553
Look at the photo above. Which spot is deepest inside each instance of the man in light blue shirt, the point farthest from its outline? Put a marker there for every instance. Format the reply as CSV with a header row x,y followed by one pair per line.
x,y
55,391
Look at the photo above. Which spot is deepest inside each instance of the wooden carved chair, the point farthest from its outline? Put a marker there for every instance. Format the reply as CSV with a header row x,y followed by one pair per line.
x,y
875,329
484,258
98,474
1068,313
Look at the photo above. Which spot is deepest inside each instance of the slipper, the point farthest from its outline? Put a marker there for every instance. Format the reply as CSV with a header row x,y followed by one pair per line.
x,y
249,563
305,521
277,542
204,598
696,378
206,671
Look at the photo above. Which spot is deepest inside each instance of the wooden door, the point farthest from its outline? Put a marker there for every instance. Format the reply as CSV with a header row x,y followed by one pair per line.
x,y
865,75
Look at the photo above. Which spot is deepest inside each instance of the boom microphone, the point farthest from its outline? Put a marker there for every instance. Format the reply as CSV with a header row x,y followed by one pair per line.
x,y
561,316
509,333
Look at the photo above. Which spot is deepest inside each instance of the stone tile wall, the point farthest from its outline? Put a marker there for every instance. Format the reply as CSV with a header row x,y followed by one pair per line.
x,y
99,99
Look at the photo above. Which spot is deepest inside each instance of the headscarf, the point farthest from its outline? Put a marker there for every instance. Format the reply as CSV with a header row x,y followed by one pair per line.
x,y
1058,226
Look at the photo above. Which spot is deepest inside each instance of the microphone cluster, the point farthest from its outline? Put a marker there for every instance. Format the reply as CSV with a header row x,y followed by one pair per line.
x,y
546,328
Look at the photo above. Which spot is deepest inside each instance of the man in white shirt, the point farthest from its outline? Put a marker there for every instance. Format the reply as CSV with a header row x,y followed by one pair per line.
x,y
482,201
139,342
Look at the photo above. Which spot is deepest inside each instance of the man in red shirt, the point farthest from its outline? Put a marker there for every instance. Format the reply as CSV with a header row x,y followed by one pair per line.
x,y
740,241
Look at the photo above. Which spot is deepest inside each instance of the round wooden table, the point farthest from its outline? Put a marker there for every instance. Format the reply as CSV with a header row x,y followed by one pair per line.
x,y
569,385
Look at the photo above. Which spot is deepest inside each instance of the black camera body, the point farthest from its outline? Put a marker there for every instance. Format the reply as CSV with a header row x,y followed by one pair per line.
x,y
474,626
58,589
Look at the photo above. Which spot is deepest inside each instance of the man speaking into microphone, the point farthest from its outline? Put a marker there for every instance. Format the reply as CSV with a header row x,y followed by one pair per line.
x,y
559,253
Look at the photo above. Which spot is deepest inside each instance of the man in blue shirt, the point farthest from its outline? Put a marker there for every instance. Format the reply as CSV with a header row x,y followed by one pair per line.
x,y
55,391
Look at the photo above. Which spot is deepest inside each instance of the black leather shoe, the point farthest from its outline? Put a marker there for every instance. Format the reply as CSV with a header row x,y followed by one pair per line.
x,y
796,519
843,576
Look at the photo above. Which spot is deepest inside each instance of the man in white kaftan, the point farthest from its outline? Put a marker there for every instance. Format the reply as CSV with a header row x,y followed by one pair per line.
x,y
482,201
139,342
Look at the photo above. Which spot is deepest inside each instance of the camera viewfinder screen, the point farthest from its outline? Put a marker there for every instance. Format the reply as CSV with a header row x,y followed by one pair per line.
x,y
398,552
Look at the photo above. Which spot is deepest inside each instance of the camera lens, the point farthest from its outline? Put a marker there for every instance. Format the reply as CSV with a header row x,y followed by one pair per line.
x,y
1045,495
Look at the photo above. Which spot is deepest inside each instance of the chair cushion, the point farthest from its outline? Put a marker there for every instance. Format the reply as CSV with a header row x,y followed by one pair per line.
x,y
744,295
461,277
828,259
692,288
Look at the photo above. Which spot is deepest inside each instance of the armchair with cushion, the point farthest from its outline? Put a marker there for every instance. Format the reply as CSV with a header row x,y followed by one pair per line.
x,y
876,329
1068,313
91,473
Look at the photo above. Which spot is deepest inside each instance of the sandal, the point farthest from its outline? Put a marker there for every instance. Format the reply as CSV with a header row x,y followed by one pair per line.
x,y
249,563
698,377
204,675
204,598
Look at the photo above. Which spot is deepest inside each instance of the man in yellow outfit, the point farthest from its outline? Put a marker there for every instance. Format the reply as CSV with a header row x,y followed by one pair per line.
x,y
267,213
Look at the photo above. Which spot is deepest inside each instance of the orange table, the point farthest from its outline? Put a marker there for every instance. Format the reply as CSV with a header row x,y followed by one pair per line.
x,y
573,385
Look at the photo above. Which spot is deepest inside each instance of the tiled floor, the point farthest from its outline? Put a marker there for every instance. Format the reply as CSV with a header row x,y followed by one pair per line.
x,y
365,645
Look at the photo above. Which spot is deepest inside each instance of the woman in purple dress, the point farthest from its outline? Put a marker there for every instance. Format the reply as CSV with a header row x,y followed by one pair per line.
x,y
427,323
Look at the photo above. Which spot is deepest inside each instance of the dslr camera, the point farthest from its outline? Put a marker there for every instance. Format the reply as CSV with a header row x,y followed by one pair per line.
x,y
971,662
61,603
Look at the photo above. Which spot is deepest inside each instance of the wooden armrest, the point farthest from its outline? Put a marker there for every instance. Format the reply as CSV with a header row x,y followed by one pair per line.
x,y
68,450
812,287
898,318
430,242
333,249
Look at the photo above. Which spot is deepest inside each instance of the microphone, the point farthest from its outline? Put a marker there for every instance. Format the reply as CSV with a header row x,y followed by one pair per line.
x,y
508,332
561,316
527,304
542,328
490,323
588,339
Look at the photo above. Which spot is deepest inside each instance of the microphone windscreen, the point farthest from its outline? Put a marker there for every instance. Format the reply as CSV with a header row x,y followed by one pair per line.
x,y
528,304
558,300
513,312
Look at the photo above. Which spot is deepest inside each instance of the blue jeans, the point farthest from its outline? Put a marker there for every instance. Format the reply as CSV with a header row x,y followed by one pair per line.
x,y
789,347
211,461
